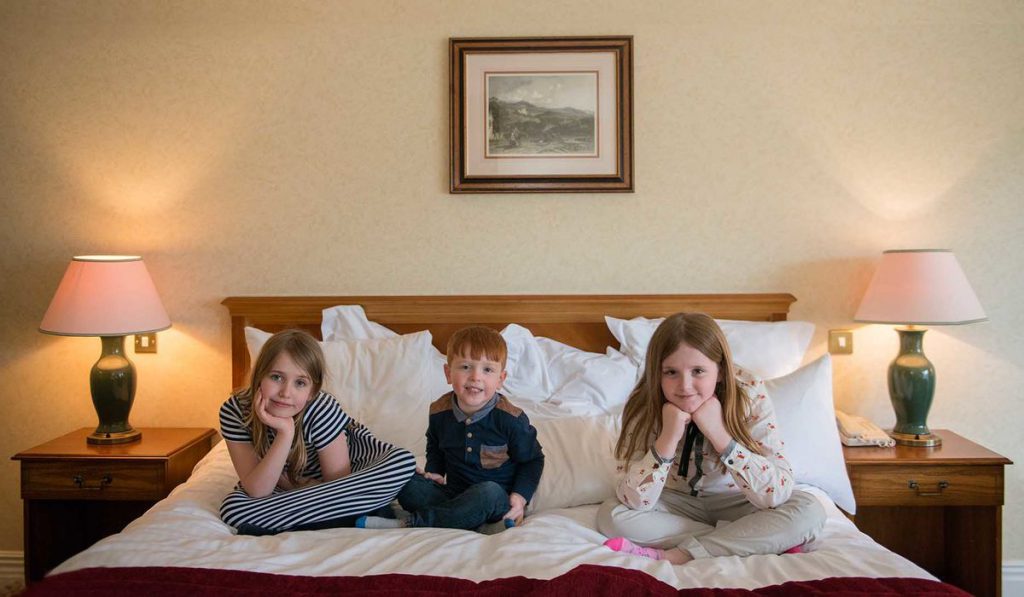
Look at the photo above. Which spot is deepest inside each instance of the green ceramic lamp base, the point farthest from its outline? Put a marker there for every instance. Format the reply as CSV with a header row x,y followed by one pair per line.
x,y
911,389
112,382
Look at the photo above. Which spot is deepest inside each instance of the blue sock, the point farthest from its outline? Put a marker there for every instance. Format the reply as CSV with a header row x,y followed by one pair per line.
x,y
379,522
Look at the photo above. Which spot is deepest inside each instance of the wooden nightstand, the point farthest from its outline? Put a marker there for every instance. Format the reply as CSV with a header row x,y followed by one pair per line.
x,y
77,493
939,507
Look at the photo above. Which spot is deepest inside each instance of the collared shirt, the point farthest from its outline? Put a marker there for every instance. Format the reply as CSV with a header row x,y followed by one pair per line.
x,y
766,481
496,443
482,412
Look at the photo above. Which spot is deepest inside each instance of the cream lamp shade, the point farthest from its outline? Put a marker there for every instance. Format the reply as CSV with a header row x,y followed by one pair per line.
x,y
105,295
108,296
921,287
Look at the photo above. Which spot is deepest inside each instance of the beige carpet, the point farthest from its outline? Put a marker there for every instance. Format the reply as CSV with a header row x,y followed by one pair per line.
x,y
11,587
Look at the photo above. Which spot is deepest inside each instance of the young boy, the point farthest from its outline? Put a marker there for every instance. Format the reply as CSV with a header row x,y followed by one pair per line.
x,y
483,458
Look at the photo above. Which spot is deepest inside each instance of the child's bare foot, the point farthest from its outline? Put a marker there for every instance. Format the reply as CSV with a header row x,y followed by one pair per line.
x,y
676,556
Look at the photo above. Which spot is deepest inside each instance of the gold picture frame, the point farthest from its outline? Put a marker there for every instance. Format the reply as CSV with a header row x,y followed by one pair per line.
x,y
541,114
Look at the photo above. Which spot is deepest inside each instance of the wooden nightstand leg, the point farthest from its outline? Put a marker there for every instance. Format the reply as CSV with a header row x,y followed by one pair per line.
x,y
974,548
918,534
52,535
33,560
55,530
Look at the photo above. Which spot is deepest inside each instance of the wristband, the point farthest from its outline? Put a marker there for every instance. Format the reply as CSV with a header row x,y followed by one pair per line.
x,y
660,459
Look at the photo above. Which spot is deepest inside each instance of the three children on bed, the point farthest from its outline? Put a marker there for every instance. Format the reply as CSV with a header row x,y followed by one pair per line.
x,y
304,464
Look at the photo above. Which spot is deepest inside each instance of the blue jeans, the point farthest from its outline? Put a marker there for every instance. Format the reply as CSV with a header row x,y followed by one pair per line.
x,y
434,505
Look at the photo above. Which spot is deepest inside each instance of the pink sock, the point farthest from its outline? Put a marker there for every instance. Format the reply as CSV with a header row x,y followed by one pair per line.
x,y
623,545
797,549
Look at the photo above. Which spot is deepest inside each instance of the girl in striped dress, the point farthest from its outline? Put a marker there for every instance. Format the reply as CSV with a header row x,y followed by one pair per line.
x,y
302,463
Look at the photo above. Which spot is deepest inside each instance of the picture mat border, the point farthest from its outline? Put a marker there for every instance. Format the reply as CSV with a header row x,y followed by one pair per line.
x,y
623,181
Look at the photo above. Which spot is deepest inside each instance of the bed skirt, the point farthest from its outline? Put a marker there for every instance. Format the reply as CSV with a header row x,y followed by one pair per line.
x,y
585,580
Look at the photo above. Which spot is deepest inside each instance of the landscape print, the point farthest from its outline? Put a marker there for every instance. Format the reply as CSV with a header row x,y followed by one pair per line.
x,y
541,114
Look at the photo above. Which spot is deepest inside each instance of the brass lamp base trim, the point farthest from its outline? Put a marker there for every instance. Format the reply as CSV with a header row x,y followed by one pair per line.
x,y
107,439
923,440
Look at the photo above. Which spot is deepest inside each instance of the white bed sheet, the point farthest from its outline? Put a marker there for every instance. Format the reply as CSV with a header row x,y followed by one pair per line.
x,y
185,530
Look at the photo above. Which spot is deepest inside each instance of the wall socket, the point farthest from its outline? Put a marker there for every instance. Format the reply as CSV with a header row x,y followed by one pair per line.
x,y
145,343
840,342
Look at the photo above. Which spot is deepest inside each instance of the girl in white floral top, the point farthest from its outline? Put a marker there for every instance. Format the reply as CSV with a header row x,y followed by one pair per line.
x,y
706,473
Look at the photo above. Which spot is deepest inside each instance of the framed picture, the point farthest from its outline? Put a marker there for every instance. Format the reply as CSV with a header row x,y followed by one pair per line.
x,y
541,114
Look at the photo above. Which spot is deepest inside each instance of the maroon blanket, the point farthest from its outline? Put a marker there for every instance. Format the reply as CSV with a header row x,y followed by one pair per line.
x,y
585,581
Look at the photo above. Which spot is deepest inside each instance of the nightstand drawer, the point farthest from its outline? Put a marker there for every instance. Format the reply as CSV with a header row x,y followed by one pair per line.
x,y
93,480
909,485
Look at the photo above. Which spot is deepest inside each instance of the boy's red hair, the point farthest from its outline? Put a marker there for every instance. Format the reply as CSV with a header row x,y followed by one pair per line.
x,y
477,342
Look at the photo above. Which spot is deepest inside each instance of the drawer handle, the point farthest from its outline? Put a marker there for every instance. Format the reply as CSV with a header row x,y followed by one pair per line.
x,y
942,485
79,481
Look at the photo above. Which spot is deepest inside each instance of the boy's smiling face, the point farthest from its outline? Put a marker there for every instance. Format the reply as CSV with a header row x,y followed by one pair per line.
x,y
474,381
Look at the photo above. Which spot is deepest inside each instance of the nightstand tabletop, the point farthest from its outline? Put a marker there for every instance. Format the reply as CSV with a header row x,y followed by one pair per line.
x,y
954,449
156,442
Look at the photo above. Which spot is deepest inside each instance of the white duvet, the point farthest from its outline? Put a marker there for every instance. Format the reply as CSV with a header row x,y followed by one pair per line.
x,y
185,530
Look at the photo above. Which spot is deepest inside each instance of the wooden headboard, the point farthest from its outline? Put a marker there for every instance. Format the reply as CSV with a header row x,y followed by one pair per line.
x,y
573,319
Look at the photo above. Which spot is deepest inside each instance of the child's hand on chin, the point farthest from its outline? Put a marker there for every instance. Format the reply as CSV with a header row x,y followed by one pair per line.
x,y
693,403
708,419
674,420
278,424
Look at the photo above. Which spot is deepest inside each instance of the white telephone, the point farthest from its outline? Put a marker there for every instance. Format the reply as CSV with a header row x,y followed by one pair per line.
x,y
858,431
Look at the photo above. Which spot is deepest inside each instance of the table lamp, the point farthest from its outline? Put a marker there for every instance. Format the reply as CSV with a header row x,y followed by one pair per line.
x,y
109,296
913,288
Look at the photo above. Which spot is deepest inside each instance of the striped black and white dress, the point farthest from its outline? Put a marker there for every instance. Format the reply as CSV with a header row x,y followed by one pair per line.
x,y
379,470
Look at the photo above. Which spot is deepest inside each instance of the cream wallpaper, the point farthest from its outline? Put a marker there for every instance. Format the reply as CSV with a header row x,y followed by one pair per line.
x,y
301,147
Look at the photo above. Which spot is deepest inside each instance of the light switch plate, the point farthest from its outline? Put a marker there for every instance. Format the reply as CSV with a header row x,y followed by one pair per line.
x,y
840,342
145,343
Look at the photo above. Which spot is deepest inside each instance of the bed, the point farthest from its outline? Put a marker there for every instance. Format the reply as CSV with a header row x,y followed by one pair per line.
x,y
586,343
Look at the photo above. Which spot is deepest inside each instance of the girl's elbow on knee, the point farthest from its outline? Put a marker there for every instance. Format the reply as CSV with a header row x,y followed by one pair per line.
x,y
770,500
256,494
635,503
781,495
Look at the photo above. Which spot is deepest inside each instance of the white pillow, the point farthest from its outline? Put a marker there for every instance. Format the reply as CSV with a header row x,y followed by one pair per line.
x,y
528,378
766,349
805,415
385,383
578,382
578,464
349,322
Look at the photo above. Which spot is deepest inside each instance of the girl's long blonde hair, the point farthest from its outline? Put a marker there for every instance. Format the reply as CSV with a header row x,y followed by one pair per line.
x,y
641,418
305,351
